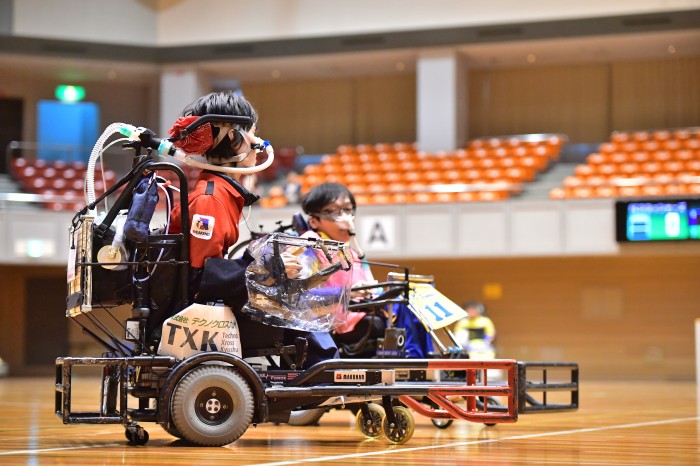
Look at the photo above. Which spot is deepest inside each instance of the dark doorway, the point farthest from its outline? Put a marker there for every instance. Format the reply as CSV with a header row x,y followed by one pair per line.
x,y
46,326
11,114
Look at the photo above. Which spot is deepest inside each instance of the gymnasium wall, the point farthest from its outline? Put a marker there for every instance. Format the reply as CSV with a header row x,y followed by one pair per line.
x,y
320,114
586,102
624,317
621,317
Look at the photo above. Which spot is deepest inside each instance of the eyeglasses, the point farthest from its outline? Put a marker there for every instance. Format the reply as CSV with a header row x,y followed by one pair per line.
x,y
338,212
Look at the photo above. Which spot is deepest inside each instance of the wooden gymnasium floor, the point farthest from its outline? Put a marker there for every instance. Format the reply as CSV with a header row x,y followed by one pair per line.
x,y
619,423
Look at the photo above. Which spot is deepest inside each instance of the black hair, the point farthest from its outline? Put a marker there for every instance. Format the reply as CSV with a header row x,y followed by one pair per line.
x,y
476,304
223,103
323,194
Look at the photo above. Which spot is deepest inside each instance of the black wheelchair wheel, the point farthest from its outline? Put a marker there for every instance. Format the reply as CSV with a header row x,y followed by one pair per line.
x,y
136,435
402,430
442,423
371,427
212,406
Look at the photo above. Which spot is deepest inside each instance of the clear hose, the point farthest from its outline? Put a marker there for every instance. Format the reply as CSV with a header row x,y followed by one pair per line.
x,y
96,154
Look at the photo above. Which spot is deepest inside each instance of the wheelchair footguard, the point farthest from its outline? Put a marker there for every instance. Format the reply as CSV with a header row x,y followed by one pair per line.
x,y
186,406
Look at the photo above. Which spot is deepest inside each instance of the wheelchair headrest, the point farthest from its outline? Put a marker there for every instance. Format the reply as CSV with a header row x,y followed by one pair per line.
x,y
300,224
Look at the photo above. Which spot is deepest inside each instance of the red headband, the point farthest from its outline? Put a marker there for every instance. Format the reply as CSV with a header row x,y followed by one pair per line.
x,y
198,141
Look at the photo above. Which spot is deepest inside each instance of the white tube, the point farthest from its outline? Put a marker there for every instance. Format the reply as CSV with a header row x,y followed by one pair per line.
x,y
353,239
166,148
96,153
118,234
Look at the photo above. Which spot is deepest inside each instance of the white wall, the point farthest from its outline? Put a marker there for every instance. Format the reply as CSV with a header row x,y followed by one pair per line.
x,y
123,22
188,22
509,229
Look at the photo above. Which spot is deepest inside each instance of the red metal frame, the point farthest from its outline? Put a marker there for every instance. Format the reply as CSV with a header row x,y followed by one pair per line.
x,y
440,394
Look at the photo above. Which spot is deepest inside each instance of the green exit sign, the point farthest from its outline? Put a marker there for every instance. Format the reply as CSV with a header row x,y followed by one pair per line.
x,y
66,93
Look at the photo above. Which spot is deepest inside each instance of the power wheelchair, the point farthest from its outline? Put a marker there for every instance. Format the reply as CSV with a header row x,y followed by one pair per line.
x,y
211,397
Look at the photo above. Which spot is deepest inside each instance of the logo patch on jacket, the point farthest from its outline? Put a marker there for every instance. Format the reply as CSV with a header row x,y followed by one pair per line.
x,y
202,226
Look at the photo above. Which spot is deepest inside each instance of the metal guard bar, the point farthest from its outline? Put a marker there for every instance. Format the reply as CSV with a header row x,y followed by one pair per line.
x,y
439,395
63,386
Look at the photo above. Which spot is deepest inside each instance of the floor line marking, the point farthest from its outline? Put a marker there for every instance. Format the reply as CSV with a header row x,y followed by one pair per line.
x,y
398,450
477,442
49,450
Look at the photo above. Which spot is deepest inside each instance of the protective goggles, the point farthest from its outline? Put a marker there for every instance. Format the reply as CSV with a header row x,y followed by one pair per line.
x,y
337,214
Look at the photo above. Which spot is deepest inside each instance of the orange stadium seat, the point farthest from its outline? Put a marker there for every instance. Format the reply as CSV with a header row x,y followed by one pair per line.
x,y
629,191
692,144
557,193
672,144
489,196
365,149
619,137
584,170
661,135
606,191
582,192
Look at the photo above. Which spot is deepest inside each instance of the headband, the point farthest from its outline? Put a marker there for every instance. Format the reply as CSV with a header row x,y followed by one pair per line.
x,y
198,141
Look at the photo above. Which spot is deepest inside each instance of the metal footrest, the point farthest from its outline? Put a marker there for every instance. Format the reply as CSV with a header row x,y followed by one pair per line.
x,y
537,379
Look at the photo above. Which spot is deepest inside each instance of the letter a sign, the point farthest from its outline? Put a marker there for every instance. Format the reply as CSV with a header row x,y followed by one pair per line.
x,y
378,233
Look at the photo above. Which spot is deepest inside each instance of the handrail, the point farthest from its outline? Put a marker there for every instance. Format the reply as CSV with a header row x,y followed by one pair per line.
x,y
534,137
31,198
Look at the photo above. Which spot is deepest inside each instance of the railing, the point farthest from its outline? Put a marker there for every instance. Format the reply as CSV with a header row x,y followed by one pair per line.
x,y
7,199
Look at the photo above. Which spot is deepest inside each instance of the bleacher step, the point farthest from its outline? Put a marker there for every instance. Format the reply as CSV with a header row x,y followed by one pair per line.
x,y
552,178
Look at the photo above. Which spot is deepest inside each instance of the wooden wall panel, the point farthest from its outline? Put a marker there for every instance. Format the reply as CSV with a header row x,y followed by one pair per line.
x,y
314,114
570,99
14,317
322,114
386,109
655,94
544,312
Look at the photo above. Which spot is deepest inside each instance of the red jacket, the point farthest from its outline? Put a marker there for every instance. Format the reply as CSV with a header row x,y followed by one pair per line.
x,y
214,215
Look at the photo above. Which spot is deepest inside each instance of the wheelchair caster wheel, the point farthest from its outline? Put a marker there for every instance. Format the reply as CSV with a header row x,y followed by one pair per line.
x,y
491,401
371,427
136,435
442,423
402,430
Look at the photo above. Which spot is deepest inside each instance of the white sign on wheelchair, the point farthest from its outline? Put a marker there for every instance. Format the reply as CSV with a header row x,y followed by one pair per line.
x,y
199,328
434,309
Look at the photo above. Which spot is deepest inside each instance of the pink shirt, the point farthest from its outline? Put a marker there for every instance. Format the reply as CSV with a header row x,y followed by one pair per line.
x,y
359,271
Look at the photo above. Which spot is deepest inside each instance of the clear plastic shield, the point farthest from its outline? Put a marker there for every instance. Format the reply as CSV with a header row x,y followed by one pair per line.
x,y
316,300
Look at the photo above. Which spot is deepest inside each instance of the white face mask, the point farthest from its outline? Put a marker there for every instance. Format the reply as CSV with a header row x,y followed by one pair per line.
x,y
346,222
